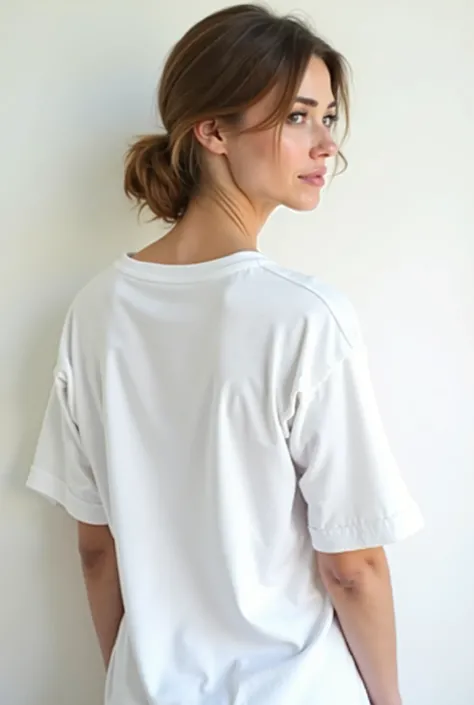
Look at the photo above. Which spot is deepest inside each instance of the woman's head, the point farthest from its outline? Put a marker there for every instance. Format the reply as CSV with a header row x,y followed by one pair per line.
x,y
229,101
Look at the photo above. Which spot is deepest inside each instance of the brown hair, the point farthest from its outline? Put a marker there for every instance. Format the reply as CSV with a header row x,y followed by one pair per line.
x,y
220,67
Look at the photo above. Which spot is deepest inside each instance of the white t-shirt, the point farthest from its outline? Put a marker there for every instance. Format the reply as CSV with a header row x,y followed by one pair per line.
x,y
219,417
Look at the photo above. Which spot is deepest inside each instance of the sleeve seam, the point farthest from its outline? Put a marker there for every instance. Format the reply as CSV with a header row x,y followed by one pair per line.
x,y
321,298
314,389
360,523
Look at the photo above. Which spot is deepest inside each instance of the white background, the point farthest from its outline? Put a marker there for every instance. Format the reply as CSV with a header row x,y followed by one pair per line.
x,y
396,233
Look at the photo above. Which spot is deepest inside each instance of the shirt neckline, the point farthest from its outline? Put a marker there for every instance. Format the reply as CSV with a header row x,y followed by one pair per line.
x,y
209,269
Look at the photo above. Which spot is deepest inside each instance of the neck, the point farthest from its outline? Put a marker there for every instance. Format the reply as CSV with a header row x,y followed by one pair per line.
x,y
208,230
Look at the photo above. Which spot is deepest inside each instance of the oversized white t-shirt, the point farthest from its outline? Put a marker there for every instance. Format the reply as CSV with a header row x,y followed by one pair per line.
x,y
220,418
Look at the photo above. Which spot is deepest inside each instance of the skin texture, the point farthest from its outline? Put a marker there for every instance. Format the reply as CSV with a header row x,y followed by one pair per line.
x,y
359,585
100,570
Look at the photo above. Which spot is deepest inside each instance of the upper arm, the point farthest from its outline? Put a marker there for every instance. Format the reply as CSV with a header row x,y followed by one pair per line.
x,y
94,541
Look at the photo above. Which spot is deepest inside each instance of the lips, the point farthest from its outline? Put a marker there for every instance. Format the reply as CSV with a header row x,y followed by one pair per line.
x,y
314,174
315,178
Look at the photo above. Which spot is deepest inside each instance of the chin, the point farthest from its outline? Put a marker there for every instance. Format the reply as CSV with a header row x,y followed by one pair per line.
x,y
303,205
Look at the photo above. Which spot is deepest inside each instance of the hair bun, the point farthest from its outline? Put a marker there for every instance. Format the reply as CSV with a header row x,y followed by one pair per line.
x,y
150,178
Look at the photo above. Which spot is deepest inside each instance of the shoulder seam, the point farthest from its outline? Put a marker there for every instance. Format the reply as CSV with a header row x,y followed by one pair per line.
x,y
315,389
315,293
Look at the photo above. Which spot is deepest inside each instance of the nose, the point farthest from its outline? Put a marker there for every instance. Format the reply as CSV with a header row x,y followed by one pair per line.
x,y
324,144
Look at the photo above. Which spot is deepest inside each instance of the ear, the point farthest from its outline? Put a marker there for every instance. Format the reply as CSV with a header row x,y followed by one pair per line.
x,y
211,136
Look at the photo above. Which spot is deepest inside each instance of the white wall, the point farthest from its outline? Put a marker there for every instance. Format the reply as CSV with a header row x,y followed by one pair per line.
x,y
396,233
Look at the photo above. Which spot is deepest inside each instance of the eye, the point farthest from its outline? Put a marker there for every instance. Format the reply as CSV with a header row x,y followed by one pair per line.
x,y
297,114
330,120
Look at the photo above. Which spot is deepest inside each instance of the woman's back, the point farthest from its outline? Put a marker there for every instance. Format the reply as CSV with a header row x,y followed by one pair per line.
x,y
185,382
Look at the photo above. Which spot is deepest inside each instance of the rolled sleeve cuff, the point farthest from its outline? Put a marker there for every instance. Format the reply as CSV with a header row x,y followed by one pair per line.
x,y
368,534
58,492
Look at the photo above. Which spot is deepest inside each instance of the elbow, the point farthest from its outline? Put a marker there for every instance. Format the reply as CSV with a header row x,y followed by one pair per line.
x,y
352,571
96,546
92,559
350,580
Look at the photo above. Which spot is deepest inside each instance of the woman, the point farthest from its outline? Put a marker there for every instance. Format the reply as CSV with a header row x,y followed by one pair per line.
x,y
212,426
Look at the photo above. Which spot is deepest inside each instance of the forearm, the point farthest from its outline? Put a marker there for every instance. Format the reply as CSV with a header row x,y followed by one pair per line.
x,y
105,599
365,611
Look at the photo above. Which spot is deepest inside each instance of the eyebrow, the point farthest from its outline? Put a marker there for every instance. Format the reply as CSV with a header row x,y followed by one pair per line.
x,y
312,103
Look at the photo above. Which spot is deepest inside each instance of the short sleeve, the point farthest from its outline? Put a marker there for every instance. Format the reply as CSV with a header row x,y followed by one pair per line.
x,y
355,494
60,469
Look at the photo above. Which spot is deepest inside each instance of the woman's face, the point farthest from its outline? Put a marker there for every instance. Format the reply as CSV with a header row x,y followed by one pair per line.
x,y
270,179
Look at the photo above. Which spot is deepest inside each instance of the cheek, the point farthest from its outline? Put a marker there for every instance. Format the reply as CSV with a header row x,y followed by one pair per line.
x,y
260,148
276,163
293,150
254,159
259,165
